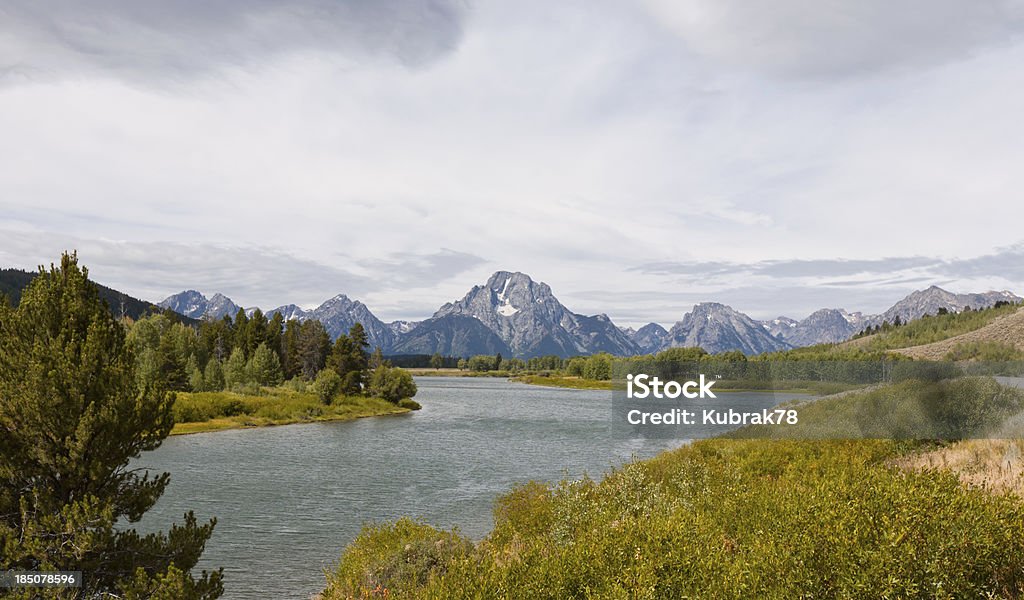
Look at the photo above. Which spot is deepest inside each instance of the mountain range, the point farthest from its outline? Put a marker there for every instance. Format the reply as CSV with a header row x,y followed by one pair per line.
x,y
514,315
14,281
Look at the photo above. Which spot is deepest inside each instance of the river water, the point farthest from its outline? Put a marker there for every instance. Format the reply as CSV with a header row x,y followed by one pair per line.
x,y
288,499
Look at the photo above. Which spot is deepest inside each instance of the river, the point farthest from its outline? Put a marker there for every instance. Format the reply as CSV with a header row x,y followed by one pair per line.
x,y
288,499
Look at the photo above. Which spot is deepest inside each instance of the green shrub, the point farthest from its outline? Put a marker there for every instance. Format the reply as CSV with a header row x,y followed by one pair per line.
x,y
296,384
391,384
985,351
409,403
729,518
395,559
327,385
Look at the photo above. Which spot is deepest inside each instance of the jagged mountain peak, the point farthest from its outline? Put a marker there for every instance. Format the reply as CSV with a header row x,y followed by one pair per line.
x,y
717,327
525,315
194,304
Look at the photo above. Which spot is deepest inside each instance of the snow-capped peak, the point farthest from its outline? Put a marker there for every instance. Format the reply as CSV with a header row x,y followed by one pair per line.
x,y
505,308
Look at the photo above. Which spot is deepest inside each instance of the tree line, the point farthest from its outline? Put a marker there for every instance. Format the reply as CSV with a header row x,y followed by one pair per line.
x,y
244,353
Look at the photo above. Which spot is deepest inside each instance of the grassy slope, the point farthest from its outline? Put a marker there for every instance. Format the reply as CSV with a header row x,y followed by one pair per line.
x,y
722,519
1006,329
934,329
213,411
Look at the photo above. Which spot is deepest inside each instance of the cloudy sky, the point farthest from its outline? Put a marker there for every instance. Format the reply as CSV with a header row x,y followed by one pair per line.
x,y
636,156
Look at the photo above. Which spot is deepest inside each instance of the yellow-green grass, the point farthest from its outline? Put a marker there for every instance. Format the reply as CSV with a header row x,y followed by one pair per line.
x,y
428,372
577,383
723,518
931,329
725,385
213,411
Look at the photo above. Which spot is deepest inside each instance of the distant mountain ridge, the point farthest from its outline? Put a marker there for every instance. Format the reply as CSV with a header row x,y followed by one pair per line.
x,y
719,328
828,326
14,281
517,316
532,322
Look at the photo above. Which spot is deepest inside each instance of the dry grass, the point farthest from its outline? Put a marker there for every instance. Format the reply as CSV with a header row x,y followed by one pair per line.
x,y
1008,329
993,464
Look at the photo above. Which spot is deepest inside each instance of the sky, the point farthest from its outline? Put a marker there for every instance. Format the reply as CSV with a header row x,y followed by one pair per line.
x,y
638,157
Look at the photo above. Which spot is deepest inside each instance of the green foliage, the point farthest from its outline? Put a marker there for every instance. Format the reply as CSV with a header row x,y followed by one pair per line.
x,y
264,367
326,386
598,367
409,403
481,362
208,411
350,360
313,346
73,414
722,519
213,376
391,384
235,372
396,559
296,384
934,328
985,351
195,376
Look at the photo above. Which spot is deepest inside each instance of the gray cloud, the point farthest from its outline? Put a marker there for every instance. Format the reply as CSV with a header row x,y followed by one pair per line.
x,y
829,38
152,39
1007,262
833,267
404,270
250,275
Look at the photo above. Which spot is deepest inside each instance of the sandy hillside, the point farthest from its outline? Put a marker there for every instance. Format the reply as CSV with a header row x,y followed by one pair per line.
x,y
1008,329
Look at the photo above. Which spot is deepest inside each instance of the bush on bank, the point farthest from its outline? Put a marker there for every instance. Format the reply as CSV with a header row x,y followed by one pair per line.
x,y
718,519
728,518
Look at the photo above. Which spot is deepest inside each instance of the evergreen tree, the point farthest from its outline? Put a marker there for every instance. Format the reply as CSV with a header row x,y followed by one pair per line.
x,y
172,370
240,332
377,358
357,376
314,345
256,332
195,376
73,416
275,330
291,359
213,376
235,370
264,366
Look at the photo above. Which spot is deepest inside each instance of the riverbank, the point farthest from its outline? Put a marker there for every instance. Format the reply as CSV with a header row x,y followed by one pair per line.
x,y
831,516
216,411
576,383
723,385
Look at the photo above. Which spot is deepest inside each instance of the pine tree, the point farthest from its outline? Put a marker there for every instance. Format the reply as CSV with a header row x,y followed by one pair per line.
x,y
377,358
213,376
264,366
235,372
195,376
240,332
73,416
291,360
314,345
275,330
